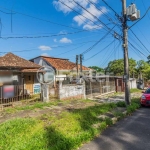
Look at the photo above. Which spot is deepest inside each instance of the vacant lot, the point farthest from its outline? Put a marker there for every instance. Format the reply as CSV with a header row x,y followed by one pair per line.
x,y
56,125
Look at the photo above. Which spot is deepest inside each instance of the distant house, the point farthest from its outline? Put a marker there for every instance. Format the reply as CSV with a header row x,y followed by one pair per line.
x,y
61,66
18,72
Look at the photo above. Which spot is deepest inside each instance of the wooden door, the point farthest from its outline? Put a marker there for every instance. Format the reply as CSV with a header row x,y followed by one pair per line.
x,y
29,81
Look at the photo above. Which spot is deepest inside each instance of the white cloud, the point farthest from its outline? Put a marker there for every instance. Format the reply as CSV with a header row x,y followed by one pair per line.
x,y
65,40
90,24
79,19
91,27
61,7
44,54
63,32
44,48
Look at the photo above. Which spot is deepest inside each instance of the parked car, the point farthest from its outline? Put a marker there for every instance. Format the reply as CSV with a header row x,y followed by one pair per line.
x,y
145,98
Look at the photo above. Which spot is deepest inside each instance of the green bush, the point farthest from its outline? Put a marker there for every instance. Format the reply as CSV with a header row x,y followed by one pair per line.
x,y
121,104
119,115
132,107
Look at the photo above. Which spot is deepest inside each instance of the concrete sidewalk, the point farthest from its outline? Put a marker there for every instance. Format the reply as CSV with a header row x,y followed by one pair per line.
x,y
131,133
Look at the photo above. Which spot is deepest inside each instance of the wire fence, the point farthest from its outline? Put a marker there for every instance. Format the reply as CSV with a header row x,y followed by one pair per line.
x,y
99,88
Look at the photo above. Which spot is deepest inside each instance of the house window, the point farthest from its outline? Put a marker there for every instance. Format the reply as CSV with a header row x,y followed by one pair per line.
x,y
29,78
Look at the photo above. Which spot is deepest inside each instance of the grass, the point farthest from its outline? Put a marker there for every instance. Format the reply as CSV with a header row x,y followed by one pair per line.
x,y
41,105
66,131
135,90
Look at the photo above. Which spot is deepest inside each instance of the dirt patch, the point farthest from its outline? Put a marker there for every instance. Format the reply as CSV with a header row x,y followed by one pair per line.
x,y
56,110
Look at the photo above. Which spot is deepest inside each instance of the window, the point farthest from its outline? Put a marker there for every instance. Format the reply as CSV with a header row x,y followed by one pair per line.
x,y
29,77
147,91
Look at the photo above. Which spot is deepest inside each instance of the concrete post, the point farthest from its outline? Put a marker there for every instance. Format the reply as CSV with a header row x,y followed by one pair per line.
x,y
45,92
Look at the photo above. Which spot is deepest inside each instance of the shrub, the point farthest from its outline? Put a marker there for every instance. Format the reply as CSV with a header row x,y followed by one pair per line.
x,y
121,104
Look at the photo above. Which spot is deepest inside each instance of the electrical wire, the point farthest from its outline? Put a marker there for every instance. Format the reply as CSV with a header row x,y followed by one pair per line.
x,y
137,44
139,40
89,49
110,19
27,15
137,49
92,15
35,49
142,34
79,14
100,51
145,9
40,36
109,55
140,19
112,9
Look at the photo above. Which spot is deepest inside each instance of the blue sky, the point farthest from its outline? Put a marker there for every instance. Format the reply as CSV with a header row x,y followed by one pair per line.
x,y
32,18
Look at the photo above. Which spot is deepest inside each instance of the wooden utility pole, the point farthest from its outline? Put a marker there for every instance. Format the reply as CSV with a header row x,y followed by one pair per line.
x,y
77,65
81,63
125,48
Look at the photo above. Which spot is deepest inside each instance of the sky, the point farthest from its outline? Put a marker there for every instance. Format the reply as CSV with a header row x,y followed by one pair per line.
x,y
30,28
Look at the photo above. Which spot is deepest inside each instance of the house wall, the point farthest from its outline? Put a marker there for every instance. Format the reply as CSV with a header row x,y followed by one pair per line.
x,y
41,62
133,84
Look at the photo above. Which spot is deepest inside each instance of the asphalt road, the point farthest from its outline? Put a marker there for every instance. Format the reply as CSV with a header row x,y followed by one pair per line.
x,y
131,133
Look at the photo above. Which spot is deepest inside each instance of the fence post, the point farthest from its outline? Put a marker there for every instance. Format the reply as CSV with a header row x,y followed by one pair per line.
x,y
91,89
59,89
45,92
84,90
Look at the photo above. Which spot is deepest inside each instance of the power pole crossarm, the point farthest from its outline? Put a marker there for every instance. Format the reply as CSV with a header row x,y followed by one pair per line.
x,y
125,48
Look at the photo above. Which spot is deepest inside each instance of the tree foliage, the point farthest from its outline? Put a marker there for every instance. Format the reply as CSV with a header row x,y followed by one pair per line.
x,y
117,66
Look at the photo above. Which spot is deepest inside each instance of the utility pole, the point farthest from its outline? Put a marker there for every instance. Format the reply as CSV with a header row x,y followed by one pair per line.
x,y
81,63
77,65
125,48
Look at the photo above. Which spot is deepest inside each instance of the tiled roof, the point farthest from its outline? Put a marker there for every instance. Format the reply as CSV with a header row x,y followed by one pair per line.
x,y
13,61
29,70
62,64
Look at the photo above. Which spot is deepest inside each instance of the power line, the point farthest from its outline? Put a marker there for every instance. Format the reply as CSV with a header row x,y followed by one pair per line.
x,y
140,19
110,19
137,49
40,36
145,9
112,9
40,19
70,50
142,34
97,42
139,40
136,52
99,51
27,50
137,44
79,14
109,56
92,15
6,12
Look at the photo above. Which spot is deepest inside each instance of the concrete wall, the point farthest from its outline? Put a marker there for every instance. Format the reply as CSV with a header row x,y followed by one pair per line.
x,y
133,84
71,91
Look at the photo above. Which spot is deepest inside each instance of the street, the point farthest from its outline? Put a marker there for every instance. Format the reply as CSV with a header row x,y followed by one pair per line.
x,y
131,133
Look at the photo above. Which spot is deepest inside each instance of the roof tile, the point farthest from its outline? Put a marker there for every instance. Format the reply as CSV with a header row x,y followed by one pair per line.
x,y
11,60
62,64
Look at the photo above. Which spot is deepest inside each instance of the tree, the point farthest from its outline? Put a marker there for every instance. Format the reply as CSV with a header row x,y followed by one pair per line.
x,y
144,68
148,61
117,67
97,69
